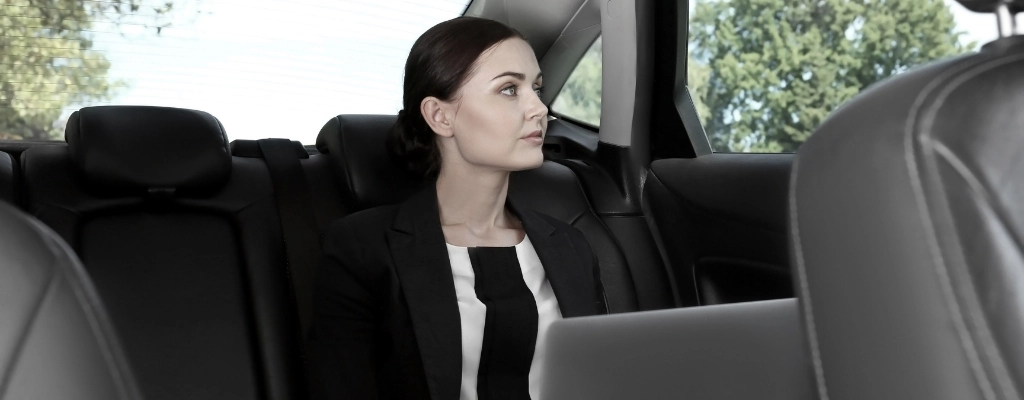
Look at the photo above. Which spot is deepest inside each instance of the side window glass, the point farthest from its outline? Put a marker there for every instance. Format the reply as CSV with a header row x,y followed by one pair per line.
x,y
764,75
306,61
580,98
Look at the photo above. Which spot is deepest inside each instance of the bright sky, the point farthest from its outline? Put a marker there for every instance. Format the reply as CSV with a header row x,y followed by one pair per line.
x,y
270,68
275,68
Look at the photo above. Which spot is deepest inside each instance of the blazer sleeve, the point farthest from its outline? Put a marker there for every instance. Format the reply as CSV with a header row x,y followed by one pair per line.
x,y
341,340
602,297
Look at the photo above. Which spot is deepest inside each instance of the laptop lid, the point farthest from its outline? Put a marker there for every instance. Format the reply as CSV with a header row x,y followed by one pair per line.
x,y
723,352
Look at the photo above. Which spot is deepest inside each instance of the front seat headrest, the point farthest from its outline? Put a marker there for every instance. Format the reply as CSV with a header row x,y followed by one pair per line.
x,y
140,149
906,224
366,172
56,341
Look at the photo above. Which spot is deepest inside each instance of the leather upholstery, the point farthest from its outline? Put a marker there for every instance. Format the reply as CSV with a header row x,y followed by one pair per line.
x,y
906,218
985,6
136,149
721,222
196,286
251,149
56,340
7,176
368,177
366,174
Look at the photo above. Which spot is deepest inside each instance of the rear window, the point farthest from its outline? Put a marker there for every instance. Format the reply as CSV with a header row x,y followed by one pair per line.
x,y
765,74
264,68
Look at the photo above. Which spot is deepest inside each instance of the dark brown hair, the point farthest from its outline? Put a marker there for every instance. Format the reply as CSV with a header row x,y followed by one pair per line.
x,y
439,63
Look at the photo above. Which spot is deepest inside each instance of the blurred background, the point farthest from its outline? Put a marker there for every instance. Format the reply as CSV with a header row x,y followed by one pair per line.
x,y
764,73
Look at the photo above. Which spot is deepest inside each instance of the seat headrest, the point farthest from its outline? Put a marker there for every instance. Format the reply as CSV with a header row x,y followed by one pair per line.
x,y
986,6
155,150
365,172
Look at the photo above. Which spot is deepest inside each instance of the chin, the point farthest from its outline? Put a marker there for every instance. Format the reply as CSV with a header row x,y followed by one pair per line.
x,y
527,163
536,161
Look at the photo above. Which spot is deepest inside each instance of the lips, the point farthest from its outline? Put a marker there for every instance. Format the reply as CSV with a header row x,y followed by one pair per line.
x,y
535,134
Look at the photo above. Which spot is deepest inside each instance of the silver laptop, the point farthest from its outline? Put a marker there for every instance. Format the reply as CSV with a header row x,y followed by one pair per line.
x,y
725,352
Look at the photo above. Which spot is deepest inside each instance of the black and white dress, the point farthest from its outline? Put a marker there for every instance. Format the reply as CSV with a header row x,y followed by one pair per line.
x,y
506,306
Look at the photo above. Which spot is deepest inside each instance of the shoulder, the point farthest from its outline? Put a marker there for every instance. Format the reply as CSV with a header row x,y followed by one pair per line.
x,y
380,218
360,229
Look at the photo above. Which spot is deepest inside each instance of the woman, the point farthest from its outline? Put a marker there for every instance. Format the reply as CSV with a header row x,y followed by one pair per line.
x,y
448,295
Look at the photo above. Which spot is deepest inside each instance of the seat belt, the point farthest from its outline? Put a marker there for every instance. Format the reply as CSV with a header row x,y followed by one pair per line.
x,y
298,224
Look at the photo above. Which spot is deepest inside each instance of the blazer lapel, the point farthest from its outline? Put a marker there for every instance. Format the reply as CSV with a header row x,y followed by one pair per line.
x,y
563,265
421,260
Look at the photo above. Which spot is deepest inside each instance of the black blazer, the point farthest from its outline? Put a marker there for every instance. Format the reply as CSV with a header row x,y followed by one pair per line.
x,y
386,323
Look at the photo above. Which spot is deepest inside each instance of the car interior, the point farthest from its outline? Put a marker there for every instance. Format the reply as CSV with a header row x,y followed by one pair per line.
x,y
148,256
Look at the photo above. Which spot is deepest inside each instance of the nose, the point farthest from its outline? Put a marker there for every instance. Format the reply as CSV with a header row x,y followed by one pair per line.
x,y
536,108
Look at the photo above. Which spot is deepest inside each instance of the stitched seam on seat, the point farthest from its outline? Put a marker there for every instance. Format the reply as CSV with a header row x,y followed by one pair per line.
x,y
805,291
23,335
941,268
979,322
977,186
987,338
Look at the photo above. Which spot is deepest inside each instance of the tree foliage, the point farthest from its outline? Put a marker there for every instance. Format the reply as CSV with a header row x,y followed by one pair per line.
x,y
768,72
48,61
580,98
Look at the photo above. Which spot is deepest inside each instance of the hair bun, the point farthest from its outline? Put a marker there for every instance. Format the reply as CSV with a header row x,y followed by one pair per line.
x,y
413,146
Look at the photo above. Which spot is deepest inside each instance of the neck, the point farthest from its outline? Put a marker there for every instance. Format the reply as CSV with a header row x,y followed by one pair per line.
x,y
473,198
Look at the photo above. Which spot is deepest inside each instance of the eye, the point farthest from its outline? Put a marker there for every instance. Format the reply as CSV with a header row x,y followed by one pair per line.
x,y
539,90
509,90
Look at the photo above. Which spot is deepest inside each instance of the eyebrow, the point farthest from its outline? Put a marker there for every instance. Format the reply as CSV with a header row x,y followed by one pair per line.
x,y
518,75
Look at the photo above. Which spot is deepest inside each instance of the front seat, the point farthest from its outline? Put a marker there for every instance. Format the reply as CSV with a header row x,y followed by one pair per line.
x,y
907,230
56,341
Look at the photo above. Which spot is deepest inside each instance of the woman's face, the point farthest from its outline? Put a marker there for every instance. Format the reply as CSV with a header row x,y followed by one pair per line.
x,y
497,120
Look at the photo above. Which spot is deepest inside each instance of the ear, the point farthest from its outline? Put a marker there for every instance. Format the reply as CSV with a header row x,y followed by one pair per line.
x,y
435,112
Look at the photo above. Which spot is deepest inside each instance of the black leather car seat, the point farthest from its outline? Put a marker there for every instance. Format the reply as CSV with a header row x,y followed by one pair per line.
x,y
368,178
7,178
183,243
907,221
56,341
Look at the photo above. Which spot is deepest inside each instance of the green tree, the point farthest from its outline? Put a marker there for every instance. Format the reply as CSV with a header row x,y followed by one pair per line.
x,y
580,97
775,69
47,61
697,75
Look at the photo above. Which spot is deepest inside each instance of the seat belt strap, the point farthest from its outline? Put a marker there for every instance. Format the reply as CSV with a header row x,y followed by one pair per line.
x,y
295,207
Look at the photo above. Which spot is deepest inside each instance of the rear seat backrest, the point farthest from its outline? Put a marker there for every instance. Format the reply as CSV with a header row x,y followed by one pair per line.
x,y
183,244
7,178
368,178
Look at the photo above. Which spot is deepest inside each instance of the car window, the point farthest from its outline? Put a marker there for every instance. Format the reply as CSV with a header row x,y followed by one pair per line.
x,y
265,68
765,74
580,98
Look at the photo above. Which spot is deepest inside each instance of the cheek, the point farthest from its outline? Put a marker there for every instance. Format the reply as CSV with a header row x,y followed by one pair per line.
x,y
491,125
490,133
